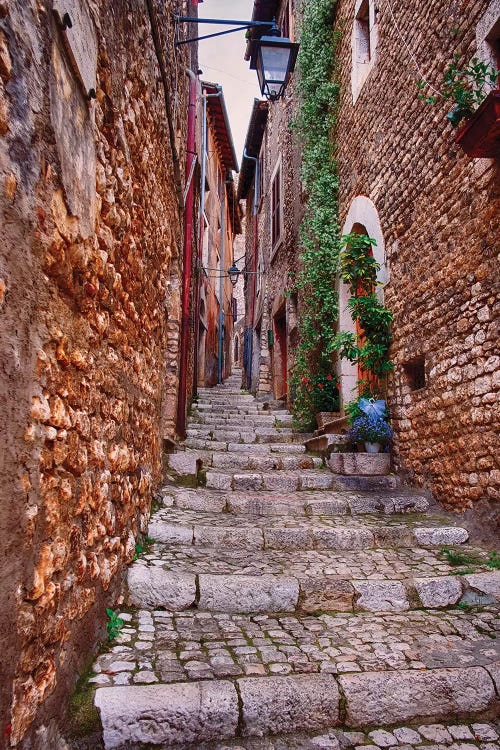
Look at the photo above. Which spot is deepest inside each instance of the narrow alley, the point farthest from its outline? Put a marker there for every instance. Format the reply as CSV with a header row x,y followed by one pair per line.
x,y
249,371
274,600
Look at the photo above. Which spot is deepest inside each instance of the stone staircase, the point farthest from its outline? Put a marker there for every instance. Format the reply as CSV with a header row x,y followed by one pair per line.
x,y
278,609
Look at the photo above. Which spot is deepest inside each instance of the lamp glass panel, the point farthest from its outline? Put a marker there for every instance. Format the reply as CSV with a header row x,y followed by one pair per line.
x,y
274,63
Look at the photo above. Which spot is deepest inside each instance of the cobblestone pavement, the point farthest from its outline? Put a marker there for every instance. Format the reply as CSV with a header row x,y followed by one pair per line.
x,y
161,646
271,616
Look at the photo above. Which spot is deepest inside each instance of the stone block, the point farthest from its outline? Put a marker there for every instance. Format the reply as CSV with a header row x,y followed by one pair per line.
x,y
438,592
281,481
366,504
168,533
330,505
275,705
291,539
494,671
343,538
260,505
364,464
230,537
242,593
441,535
155,587
486,583
180,714
317,480
218,481
381,596
385,698
247,481
184,463
201,500
326,594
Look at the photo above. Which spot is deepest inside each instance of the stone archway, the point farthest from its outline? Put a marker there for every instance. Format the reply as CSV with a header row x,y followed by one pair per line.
x,y
362,218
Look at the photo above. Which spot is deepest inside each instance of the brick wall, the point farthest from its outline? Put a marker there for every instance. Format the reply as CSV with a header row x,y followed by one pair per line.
x,y
439,211
89,312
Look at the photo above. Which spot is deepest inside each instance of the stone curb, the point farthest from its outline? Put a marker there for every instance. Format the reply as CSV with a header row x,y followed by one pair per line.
x,y
304,538
176,714
385,698
236,593
187,713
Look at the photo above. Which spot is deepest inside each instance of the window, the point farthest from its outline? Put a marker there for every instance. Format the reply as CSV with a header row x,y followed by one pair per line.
x,y
276,207
363,43
415,373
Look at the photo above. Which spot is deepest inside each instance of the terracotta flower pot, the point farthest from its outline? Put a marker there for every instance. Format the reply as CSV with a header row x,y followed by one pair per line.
x,y
480,136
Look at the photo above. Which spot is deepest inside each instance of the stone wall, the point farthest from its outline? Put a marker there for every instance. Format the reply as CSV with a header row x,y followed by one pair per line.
x,y
89,313
439,213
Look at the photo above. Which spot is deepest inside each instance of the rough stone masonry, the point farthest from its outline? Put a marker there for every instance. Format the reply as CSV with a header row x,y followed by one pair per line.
x,y
89,305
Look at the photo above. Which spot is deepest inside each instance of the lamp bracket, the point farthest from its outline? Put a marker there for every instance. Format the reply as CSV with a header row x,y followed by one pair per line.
x,y
269,26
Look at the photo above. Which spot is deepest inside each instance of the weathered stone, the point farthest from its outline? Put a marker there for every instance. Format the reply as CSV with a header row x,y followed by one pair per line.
x,y
487,583
167,533
441,535
242,593
155,587
344,538
405,735
179,714
335,506
293,539
367,504
382,738
184,463
435,733
219,481
381,596
438,592
200,500
272,705
265,505
326,594
228,537
391,697
364,464
494,671
319,480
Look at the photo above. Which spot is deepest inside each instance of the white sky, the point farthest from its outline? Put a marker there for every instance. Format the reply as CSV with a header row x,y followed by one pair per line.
x,y
221,61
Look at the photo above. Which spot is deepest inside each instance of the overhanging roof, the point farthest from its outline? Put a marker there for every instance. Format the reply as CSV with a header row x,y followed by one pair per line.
x,y
253,142
263,10
217,114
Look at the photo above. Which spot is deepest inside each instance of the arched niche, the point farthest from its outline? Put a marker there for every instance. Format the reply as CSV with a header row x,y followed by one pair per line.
x,y
362,218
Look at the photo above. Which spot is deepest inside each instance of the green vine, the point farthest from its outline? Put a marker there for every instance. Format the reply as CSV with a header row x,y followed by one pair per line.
x,y
358,269
319,233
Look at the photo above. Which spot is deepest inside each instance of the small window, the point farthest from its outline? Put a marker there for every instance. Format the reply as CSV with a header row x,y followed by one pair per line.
x,y
363,33
276,207
415,373
363,44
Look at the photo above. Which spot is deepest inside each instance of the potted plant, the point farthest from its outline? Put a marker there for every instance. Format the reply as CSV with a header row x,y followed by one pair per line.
x,y
372,430
323,390
467,87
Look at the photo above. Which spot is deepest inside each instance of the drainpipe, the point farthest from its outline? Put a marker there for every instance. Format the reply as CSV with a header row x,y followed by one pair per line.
x,y
253,275
204,140
187,255
221,281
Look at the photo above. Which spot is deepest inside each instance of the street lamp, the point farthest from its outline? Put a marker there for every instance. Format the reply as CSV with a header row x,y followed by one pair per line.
x,y
234,274
274,56
275,61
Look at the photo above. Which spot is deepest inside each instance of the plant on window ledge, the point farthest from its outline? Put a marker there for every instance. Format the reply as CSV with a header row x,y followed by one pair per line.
x,y
319,234
467,87
370,347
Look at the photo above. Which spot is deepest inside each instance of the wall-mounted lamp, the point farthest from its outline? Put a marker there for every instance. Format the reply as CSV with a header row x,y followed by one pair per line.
x,y
273,56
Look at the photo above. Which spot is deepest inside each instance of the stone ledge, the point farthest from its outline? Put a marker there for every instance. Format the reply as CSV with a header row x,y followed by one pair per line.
x,y
178,714
362,464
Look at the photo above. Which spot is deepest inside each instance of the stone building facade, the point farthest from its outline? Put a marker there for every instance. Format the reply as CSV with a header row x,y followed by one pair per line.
x,y
435,215
221,223
92,151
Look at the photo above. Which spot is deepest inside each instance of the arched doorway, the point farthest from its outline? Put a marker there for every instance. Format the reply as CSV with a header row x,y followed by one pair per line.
x,y
362,218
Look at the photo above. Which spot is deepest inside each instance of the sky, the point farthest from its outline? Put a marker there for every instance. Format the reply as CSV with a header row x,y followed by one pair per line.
x,y
221,61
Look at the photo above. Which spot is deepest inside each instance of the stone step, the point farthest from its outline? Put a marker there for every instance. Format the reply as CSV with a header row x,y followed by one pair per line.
x,y
236,420
291,481
248,435
376,580
173,527
259,462
184,678
292,504
261,448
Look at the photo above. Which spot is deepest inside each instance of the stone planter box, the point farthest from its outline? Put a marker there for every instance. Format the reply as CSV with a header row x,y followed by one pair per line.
x,y
364,464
